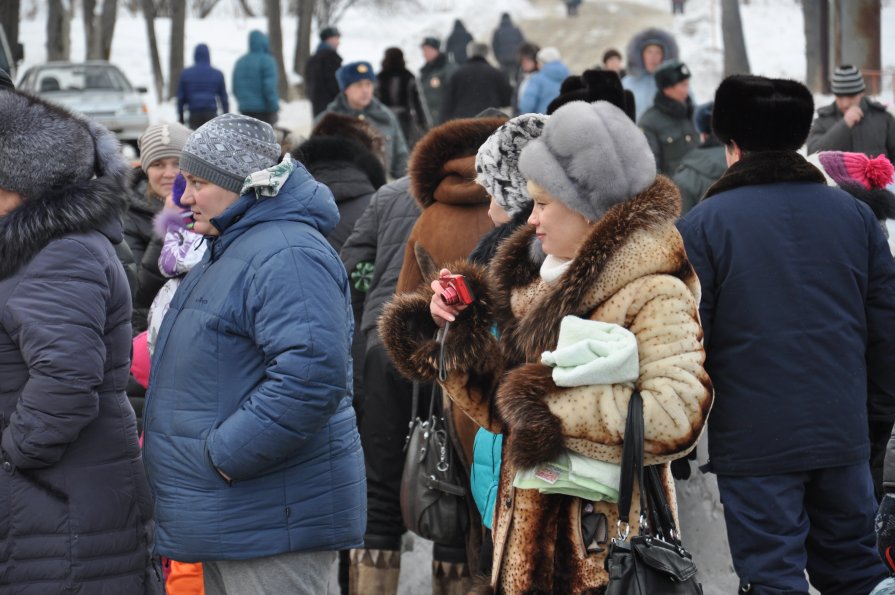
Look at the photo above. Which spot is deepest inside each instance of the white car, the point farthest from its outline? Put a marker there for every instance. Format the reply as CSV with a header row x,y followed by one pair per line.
x,y
97,89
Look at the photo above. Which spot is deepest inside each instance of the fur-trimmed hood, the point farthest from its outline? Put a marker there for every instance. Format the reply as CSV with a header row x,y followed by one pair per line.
x,y
598,271
648,37
95,204
442,165
332,149
80,189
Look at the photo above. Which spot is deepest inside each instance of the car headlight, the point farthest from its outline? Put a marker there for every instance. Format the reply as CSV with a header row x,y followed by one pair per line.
x,y
132,110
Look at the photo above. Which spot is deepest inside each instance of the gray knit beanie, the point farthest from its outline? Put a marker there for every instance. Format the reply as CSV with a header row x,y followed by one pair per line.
x,y
161,141
591,156
497,162
45,146
228,148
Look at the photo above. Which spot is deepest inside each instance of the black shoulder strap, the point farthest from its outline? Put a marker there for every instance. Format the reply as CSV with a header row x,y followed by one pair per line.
x,y
632,461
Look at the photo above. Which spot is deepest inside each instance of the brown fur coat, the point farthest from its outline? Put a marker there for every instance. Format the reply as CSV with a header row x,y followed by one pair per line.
x,y
631,270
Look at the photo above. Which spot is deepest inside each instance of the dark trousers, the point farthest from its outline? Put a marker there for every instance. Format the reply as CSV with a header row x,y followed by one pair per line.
x,y
269,117
199,118
779,526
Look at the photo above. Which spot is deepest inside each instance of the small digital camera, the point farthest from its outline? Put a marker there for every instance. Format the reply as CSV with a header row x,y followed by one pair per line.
x,y
456,290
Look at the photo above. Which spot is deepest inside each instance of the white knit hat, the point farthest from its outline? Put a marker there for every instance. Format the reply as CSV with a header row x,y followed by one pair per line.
x,y
497,161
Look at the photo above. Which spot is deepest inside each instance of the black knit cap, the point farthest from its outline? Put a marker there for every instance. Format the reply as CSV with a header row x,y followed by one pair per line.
x,y
762,114
328,32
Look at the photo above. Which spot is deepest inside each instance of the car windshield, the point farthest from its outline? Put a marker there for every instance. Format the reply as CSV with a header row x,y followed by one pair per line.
x,y
80,77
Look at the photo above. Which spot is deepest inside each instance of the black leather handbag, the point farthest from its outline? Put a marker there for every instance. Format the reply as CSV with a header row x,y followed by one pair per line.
x,y
433,492
654,562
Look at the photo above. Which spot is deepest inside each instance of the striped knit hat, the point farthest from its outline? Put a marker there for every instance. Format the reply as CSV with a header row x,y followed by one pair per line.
x,y
161,141
847,80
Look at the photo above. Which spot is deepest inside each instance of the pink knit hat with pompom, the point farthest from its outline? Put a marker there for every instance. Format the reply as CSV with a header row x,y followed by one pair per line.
x,y
857,168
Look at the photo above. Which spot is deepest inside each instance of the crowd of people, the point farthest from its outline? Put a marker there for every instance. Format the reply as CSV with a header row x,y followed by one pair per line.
x,y
209,359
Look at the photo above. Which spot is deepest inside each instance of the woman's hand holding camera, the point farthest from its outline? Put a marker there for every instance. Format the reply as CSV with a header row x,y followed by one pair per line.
x,y
451,296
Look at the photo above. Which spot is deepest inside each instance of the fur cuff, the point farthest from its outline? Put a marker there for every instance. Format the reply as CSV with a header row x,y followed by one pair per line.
x,y
167,220
408,332
535,433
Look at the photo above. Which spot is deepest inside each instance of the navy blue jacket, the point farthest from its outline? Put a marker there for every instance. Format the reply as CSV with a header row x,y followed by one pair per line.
x,y
202,87
252,376
798,310
75,510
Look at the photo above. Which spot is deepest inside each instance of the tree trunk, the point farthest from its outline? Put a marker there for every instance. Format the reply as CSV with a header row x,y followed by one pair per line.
x,y
855,28
106,27
275,34
10,11
736,60
58,31
246,8
178,31
91,33
817,48
303,37
149,16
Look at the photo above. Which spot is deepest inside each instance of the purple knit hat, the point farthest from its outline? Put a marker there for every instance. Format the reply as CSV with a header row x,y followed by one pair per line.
x,y
857,168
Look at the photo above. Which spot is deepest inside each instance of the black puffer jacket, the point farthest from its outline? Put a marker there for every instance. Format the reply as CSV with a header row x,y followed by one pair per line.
x,y
146,248
76,506
350,171
668,126
475,87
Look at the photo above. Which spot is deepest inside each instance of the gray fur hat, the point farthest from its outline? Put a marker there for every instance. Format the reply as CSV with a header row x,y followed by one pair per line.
x,y
228,148
44,146
591,157
497,161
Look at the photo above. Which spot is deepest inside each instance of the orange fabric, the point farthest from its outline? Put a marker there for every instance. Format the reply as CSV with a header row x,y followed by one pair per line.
x,y
185,579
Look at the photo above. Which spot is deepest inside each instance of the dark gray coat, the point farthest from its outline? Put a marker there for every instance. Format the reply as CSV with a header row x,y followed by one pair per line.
x,y
873,135
698,170
669,129
435,78
76,507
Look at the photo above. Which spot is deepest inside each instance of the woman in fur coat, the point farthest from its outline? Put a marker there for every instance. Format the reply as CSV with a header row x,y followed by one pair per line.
x,y
605,221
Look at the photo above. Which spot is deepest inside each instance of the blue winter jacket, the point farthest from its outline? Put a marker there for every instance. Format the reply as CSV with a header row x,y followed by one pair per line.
x,y
202,87
798,311
252,377
255,77
542,88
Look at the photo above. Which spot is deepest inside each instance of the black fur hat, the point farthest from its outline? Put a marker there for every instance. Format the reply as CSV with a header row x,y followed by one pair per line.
x,y
762,114
594,85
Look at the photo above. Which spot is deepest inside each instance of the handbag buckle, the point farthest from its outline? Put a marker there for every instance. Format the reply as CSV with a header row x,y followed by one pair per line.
x,y
623,536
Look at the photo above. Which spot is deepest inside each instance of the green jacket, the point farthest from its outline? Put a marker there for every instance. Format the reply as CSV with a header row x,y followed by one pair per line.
x,y
384,121
669,129
434,77
873,135
699,169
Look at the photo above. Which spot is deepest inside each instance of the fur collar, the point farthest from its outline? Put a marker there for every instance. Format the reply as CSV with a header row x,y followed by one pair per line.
x,y
78,208
441,159
644,223
766,167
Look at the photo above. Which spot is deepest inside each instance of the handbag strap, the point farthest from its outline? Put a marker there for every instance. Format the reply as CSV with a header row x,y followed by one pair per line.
x,y
631,465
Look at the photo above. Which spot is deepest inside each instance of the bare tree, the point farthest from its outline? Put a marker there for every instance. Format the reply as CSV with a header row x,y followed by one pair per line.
x,y
59,30
149,16
10,11
203,8
329,12
99,28
816,14
275,35
178,31
736,60
303,37
246,8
